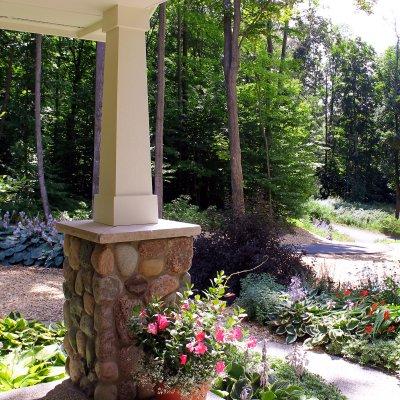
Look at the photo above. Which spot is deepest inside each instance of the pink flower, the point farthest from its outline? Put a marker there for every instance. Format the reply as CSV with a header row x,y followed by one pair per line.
x,y
200,349
200,336
251,343
162,322
185,305
190,346
183,359
199,322
237,334
152,328
219,335
220,367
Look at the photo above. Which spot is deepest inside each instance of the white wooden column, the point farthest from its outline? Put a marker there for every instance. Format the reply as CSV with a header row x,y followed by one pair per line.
x,y
125,196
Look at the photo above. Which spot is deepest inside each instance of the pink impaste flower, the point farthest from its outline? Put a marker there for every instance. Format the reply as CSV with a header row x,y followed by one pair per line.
x,y
183,359
162,322
237,334
200,349
200,336
190,346
252,343
152,328
219,335
185,305
220,367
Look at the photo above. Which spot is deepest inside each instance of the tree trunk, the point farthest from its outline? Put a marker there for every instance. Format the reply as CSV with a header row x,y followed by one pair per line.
x,y
100,54
7,90
397,128
159,147
284,46
231,68
38,127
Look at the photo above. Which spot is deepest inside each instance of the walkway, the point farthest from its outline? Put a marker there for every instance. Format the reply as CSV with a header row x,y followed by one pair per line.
x,y
355,382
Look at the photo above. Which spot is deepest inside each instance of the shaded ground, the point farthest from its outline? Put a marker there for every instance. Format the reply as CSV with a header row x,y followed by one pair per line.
x,y
34,292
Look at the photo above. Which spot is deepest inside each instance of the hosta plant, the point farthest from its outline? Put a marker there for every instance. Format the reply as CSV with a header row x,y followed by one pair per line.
x,y
40,364
29,241
18,333
188,343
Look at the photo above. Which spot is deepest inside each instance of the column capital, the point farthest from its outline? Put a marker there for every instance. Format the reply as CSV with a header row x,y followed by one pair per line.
x,y
127,17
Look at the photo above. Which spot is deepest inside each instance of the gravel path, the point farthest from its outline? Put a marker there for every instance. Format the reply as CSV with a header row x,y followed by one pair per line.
x,y
34,292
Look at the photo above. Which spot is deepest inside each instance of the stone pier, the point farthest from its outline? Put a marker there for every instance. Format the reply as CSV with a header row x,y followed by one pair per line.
x,y
108,271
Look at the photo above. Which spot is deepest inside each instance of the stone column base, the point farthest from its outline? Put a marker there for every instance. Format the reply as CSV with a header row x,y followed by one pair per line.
x,y
108,271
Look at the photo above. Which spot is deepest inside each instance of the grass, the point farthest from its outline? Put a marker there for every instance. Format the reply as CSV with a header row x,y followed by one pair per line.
x,y
374,217
307,225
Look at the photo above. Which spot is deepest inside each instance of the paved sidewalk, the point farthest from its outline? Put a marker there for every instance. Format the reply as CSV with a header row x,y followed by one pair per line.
x,y
354,381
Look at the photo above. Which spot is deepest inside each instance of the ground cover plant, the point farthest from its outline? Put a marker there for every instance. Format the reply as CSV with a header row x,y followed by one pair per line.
x,y
256,376
377,217
30,241
362,324
30,353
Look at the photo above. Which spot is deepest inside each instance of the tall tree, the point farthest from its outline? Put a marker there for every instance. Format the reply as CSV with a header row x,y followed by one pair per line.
x,y
38,127
160,105
98,113
232,19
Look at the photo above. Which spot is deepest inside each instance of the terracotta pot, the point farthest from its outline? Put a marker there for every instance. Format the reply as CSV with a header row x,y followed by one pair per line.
x,y
198,394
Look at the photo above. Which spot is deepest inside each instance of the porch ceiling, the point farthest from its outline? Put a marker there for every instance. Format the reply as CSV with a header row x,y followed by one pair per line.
x,y
72,18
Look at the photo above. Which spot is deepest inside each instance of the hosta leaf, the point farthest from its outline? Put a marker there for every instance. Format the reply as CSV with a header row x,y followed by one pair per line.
x,y
291,338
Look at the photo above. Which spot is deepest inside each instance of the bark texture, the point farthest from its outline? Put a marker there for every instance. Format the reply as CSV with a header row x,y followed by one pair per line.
x,y
232,19
38,127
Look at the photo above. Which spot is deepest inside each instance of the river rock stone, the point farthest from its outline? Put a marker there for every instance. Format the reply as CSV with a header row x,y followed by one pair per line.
x,y
106,289
68,290
128,360
127,390
105,392
179,255
151,267
67,245
79,289
85,253
87,325
88,303
123,313
136,285
67,314
74,247
106,345
76,307
68,273
67,346
87,278
163,286
152,248
81,343
90,352
127,257
104,317
72,338
107,371
103,260
76,369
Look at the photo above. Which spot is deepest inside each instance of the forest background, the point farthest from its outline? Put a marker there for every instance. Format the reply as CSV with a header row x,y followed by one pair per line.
x,y
316,113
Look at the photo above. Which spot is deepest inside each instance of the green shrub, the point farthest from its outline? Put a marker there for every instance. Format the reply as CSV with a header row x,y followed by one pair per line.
x,y
182,210
378,217
259,293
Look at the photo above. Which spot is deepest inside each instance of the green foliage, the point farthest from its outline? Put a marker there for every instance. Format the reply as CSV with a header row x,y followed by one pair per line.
x,y
376,217
30,353
341,322
182,210
187,343
283,383
30,242
259,293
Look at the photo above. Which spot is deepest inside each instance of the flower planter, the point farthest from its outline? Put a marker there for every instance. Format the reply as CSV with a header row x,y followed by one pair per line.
x,y
198,394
